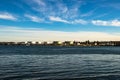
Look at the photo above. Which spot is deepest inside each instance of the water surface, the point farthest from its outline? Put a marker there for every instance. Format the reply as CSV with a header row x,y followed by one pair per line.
x,y
75,63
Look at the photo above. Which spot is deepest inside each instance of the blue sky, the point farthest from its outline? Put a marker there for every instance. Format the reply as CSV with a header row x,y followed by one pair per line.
x,y
60,20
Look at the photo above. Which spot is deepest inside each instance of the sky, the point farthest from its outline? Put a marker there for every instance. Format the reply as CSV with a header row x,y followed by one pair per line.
x,y
59,20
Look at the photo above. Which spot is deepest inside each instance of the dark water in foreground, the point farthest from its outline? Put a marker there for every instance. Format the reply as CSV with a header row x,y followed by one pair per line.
x,y
75,63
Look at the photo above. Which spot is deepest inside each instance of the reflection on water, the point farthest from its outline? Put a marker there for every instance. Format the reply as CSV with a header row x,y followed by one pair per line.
x,y
65,66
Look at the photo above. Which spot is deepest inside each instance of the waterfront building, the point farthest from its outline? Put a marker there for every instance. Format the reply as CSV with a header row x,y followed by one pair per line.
x,y
76,43
68,43
57,43
29,43
21,43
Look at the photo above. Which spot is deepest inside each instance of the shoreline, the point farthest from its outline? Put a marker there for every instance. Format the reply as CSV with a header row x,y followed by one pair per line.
x,y
65,43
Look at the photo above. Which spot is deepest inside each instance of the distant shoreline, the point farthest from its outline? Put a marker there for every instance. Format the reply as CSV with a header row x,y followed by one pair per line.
x,y
65,43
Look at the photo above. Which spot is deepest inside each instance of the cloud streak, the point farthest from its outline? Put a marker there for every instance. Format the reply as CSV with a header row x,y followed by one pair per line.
x,y
60,8
57,19
34,18
79,21
7,16
36,34
76,21
115,23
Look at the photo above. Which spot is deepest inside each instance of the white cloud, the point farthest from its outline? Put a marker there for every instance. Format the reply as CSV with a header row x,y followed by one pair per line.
x,y
40,2
34,18
79,21
115,23
46,8
57,19
36,34
7,16
100,22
